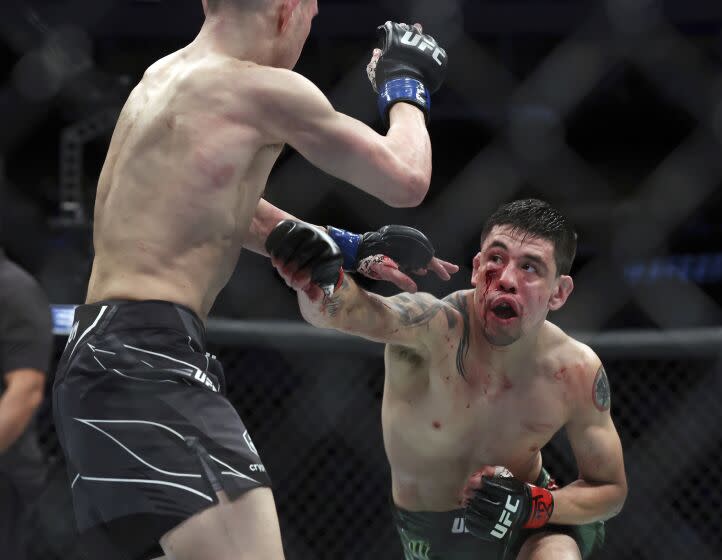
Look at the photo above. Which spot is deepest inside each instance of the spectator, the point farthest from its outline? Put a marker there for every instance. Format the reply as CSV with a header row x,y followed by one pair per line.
x,y
25,347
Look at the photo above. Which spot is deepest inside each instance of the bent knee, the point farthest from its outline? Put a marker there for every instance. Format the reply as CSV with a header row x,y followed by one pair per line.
x,y
550,546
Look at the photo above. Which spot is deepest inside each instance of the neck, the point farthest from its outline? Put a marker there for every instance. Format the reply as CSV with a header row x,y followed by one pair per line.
x,y
245,36
506,357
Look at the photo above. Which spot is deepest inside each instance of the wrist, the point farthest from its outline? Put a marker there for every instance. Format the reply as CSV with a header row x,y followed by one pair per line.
x,y
340,280
541,507
348,243
408,112
406,90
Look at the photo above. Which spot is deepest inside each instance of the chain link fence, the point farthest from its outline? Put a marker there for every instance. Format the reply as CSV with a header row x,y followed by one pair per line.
x,y
515,118
312,401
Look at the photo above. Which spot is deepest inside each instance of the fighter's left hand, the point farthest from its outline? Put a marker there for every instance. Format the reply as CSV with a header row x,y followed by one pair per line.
x,y
391,254
381,267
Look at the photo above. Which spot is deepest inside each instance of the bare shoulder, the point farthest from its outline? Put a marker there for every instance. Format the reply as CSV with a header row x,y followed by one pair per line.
x,y
423,308
581,368
275,88
273,100
425,318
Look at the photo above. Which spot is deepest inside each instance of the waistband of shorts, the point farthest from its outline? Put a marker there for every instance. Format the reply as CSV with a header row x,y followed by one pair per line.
x,y
117,315
440,519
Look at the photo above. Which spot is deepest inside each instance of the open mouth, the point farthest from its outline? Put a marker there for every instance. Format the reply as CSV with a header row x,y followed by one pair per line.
x,y
504,311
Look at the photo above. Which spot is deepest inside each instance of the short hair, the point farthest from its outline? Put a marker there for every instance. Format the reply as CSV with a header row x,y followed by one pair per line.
x,y
538,219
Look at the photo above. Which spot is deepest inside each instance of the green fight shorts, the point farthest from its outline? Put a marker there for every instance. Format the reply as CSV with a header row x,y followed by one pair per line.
x,y
432,535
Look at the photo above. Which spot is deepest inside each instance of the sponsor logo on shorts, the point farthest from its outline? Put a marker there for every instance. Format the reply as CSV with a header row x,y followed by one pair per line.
x,y
414,549
257,468
249,442
459,526
73,333
203,378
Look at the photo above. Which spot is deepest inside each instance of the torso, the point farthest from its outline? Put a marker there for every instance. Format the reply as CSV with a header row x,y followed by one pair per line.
x,y
440,427
180,184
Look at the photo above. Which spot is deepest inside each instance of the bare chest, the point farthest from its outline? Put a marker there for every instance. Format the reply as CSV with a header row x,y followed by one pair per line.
x,y
484,417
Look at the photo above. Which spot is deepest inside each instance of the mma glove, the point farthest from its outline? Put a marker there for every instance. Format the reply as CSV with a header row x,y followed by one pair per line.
x,y
505,504
410,249
305,246
410,68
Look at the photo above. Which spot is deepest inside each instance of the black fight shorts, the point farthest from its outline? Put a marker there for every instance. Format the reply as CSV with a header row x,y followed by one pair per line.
x,y
148,435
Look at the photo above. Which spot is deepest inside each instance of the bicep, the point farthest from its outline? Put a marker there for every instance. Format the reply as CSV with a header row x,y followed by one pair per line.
x,y
299,114
404,319
340,145
593,436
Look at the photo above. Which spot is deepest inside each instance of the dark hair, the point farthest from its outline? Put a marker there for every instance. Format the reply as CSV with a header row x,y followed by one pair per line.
x,y
538,219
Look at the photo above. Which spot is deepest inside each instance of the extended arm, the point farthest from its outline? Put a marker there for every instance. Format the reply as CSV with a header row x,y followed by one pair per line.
x,y
402,319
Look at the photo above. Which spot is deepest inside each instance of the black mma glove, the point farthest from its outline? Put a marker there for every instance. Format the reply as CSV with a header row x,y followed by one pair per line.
x,y
307,247
408,247
411,67
505,504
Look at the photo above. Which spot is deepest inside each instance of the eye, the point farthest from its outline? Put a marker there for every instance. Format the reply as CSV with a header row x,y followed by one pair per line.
x,y
528,267
496,259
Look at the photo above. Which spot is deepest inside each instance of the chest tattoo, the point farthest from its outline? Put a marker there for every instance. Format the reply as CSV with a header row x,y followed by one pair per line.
x,y
459,303
414,311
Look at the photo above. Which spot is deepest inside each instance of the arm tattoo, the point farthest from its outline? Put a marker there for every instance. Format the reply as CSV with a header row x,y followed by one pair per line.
x,y
459,302
415,311
450,317
601,393
332,305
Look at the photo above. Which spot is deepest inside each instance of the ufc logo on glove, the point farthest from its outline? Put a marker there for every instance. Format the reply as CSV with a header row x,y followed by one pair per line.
x,y
414,40
505,520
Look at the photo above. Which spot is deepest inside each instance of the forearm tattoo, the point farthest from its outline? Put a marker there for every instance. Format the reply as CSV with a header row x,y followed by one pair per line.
x,y
602,394
331,306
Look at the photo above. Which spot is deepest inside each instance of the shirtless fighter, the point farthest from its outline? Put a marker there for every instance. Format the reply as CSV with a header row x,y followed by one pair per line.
x,y
476,384
155,451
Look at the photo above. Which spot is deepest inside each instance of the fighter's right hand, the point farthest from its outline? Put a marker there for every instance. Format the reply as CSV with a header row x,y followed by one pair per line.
x,y
408,66
498,505
305,256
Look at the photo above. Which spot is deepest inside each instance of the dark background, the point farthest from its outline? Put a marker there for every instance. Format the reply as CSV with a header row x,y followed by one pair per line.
x,y
610,110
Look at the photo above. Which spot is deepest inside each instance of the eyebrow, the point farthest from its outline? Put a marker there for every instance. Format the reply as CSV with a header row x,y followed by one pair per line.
x,y
529,256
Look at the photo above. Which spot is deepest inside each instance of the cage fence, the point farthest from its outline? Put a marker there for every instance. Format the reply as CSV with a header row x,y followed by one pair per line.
x,y
312,401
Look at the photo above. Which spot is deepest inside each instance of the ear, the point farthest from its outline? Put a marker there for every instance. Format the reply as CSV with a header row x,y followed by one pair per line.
x,y
565,285
476,266
285,13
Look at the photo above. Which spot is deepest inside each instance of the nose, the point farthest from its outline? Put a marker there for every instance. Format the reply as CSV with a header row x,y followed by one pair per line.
x,y
507,280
